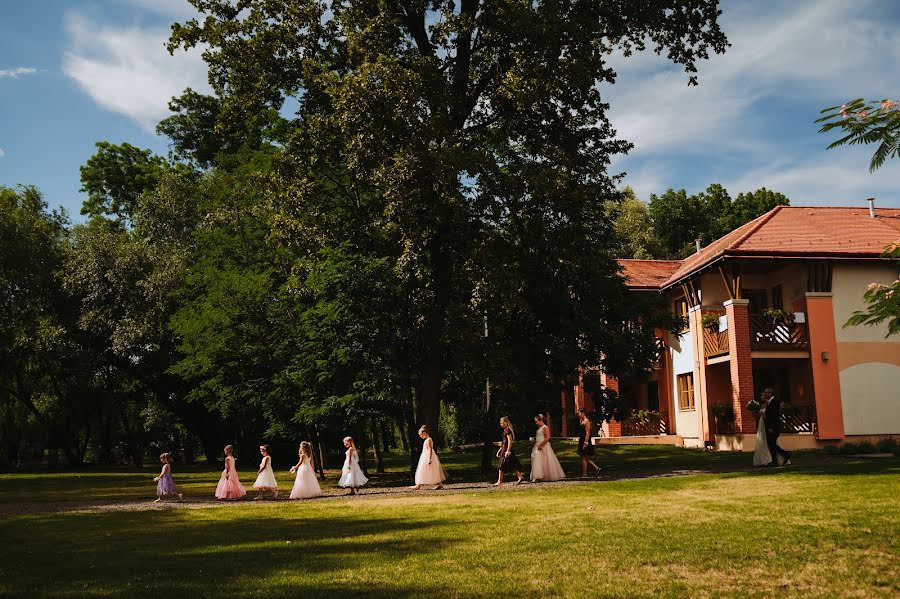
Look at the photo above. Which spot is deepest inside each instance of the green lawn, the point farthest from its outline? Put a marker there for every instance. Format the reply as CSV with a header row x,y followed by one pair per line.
x,y
826,530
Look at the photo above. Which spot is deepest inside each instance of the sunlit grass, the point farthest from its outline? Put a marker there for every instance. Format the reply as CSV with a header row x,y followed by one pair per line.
x,y
811,531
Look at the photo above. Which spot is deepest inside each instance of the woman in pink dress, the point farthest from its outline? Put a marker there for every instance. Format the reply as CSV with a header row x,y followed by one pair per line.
x,y
229,486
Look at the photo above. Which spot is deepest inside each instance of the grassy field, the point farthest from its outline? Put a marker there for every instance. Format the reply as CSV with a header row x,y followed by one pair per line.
x,y
827,528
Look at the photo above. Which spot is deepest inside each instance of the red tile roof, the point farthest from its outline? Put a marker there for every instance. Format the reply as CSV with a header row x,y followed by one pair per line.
x,y
784,231
648,274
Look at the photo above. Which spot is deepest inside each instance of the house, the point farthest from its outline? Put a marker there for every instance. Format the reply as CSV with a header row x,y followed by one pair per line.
x,y
764,306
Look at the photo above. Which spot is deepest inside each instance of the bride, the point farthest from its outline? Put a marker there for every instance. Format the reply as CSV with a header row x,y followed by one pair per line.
x,y
544,465
761,454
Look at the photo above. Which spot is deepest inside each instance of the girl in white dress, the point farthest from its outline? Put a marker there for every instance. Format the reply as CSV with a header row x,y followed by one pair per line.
x,y
352,476
429,470
305,485
544,465
265,480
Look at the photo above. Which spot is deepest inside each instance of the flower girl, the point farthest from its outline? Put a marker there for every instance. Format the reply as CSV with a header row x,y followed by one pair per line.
x,y
265,479
305,484
165,486
544,465
229,486
429,471
352,476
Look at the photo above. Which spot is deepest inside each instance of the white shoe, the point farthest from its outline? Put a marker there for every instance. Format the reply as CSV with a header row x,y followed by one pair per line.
x,y
787,463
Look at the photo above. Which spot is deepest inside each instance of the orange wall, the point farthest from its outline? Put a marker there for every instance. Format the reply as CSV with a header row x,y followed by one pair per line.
x,y
826,376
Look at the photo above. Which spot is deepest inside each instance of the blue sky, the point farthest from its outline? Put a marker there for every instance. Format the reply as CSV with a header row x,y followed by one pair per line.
x,y
73,73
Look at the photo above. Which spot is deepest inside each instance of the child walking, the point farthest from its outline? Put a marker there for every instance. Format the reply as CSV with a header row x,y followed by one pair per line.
x,y
265,479
165,486
429,470
305,485
229,486
352,476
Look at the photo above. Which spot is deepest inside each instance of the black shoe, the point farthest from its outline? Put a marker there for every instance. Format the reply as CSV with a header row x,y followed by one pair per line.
x,y
771,464
597,473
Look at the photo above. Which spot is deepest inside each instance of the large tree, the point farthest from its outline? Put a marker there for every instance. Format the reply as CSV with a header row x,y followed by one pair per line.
x,y
472,136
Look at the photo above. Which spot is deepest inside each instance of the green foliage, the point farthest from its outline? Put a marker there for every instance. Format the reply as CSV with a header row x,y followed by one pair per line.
x,y
711,320
863,123
680,218
465,143
883,301
778,316
116,176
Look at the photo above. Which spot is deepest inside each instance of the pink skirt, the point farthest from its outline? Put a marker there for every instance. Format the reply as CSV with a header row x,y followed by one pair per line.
x,y
230,488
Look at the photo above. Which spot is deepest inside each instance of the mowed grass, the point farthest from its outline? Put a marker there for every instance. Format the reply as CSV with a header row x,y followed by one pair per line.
x,y
104,483
814,531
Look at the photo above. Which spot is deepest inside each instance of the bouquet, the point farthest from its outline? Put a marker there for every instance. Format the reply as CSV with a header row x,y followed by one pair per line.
x,y
754,406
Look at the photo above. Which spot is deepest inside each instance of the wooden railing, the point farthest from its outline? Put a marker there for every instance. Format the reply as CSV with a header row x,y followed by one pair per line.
x,y
766,335
798,419
651,425
715,343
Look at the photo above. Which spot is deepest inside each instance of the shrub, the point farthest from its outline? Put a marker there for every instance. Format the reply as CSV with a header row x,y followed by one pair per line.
x,y
887,446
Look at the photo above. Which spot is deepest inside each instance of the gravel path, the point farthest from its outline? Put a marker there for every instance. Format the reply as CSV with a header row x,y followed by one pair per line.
x,y
103,506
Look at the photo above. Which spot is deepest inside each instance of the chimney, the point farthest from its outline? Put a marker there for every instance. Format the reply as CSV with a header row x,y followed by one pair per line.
x,y
871,206
697,242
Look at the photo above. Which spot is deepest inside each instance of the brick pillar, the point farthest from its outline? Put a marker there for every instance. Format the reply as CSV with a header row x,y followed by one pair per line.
x,y
567,399
741,364
613,428
823,357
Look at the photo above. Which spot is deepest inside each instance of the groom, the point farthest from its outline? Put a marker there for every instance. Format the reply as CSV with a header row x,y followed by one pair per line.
x,y
773,426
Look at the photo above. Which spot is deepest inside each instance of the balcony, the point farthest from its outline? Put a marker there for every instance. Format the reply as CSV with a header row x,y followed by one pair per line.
x,y
768,336
715,343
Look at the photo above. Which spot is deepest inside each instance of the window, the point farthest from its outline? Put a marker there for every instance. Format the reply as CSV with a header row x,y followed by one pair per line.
x,y
777,297
686,391
759,300
681,310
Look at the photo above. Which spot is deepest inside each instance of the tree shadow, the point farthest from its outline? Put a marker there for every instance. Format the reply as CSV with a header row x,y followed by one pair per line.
x,y
175,554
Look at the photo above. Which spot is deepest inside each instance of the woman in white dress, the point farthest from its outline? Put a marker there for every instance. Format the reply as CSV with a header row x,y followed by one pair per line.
x,y
429,471
544,465
305,485
352,476
761,454
265,480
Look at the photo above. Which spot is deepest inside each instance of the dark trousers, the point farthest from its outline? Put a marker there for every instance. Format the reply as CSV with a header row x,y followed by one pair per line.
x,y
774,449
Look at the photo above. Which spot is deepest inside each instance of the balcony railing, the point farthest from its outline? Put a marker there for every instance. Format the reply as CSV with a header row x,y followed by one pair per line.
x,y
644,425
715,343
765,335
798,419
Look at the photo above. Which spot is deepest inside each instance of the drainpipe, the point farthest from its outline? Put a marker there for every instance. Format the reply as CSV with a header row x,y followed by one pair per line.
x,y
697,241
871,206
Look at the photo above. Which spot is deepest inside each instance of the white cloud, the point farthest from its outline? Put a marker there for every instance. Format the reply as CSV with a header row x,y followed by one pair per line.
x,y
128,70
178,9
17,72
792,56
2,153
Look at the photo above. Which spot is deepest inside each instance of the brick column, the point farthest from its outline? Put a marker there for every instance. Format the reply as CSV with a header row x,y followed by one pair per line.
x,y
741,364
613,427
823,357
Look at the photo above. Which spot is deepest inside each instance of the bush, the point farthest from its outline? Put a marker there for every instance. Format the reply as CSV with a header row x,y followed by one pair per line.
x,y
831,449
887,446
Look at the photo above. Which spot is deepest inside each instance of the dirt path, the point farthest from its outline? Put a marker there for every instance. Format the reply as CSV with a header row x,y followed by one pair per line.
x,y
102,506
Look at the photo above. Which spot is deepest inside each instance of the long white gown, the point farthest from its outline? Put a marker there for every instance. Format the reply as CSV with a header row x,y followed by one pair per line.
x,y
544,465
352,475
761,454
305,485
433,473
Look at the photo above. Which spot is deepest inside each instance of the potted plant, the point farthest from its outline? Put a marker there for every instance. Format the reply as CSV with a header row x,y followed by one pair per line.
x,y
723,415
711,321
778,316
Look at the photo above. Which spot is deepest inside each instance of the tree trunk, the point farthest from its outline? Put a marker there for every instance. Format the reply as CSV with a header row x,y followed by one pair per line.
x,y
404,439
428,402
319,449
387,437
376,449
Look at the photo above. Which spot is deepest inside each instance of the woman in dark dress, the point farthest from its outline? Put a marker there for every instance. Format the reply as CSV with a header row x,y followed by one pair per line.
x,y
585,447
508,460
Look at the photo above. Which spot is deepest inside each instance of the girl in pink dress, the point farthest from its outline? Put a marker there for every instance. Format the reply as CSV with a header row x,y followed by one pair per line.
x,y
229,486
429,471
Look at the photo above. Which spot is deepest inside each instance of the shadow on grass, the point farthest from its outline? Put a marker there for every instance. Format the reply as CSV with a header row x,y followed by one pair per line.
x,y
236,554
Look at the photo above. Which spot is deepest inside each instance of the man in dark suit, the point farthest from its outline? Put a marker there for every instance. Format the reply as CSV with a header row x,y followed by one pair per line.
x,y
773,426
